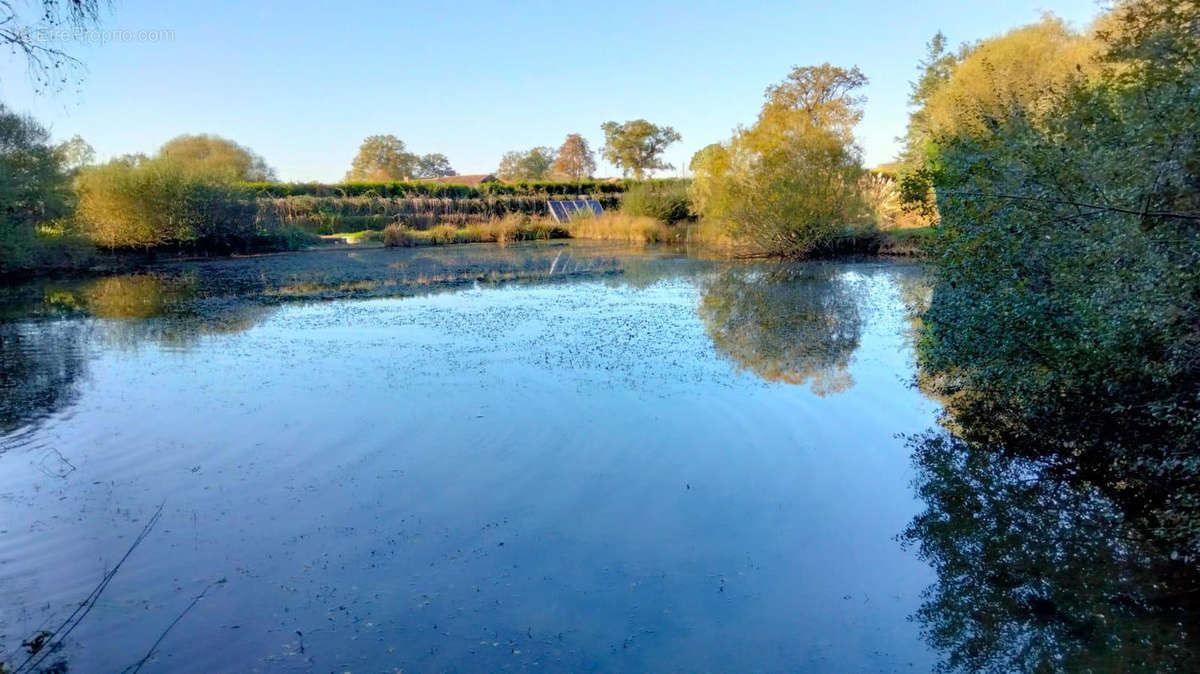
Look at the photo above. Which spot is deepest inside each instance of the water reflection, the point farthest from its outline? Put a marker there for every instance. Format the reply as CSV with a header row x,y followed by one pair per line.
x,y
1039,573
798,324
658,504
40,368
137,295
169,310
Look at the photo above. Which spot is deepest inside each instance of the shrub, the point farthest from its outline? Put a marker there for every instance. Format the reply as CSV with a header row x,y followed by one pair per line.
x,y
397,235
884,198
149,203
665,201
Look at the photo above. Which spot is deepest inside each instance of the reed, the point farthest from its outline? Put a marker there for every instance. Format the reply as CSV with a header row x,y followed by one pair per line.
x,y
332,215
617,226
514,227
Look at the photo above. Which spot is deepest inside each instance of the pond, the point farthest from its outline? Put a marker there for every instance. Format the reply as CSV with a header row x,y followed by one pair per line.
x,y
564,457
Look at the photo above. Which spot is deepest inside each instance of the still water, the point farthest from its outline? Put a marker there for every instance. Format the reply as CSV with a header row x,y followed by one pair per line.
x,y
567,457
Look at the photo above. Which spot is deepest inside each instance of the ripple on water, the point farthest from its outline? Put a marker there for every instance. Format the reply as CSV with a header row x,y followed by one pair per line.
x,y
553,475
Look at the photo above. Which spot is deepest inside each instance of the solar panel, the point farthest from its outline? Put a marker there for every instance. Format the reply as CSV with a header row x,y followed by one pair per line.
x,y
562,209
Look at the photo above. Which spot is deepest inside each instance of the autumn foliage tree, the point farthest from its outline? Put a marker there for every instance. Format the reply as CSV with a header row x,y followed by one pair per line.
x,y
790,183
575,160
216,156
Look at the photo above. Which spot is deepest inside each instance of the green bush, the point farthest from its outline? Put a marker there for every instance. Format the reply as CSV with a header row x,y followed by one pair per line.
x,y
1063,321
665,200
151,203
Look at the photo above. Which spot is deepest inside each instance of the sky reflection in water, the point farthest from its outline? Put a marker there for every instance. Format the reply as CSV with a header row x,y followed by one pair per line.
x,y
460,459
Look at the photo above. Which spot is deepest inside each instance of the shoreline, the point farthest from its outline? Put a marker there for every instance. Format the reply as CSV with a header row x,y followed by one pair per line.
x,y
904,243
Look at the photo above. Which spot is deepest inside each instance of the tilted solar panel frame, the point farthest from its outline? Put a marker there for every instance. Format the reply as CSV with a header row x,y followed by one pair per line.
x,y
561,209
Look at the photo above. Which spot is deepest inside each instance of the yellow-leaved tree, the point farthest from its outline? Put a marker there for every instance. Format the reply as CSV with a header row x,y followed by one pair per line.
x,y
789,184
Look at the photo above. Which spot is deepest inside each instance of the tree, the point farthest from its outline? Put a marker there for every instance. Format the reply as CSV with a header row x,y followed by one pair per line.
x,y
637,146
575,160
819,97
216,156
533,164
1062,325
433,166
75,153
160,202
789,184
33,185
1025,66
383,158
935,71
49,67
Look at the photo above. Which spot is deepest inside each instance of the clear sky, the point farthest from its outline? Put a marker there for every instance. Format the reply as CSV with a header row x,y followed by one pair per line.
x,y
303,82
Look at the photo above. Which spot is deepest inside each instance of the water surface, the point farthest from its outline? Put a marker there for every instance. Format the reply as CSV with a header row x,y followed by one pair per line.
x,y
569,457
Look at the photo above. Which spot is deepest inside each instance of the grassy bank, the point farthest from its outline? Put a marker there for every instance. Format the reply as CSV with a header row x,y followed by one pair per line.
x,y
616,226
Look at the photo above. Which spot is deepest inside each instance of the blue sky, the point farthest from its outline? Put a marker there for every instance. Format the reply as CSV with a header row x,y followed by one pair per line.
x,y
302,83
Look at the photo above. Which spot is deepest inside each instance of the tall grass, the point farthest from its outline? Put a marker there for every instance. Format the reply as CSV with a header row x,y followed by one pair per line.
x,y
618,226
514,227
882,194
332,215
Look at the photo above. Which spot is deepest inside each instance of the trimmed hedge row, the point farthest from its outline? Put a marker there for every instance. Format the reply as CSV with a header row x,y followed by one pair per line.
x,y
443,190
328,215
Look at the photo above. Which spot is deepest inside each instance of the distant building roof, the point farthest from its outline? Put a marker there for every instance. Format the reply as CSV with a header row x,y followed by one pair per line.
x,y
474,180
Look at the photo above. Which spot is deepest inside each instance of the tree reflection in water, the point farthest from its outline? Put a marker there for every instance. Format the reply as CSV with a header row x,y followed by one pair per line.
x,y
1043,574
42,360
794,323
40,368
